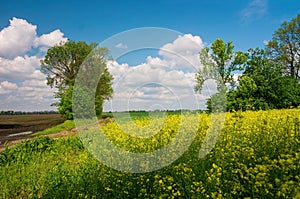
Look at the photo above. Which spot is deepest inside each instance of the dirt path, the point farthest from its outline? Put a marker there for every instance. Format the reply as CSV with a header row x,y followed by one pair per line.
x,y
64,133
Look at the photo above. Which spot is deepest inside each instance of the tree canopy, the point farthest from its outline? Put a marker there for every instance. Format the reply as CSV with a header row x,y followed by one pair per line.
x,y
269,78
62,64
219,64
263,85
284,47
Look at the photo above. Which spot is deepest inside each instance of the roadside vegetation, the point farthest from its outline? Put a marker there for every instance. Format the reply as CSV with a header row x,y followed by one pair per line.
x,y
257,156
67,125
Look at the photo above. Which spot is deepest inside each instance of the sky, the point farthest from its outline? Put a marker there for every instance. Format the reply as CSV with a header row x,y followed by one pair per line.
x,y
153,68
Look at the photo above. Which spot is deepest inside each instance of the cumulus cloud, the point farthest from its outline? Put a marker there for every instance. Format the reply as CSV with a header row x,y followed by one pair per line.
x,y
17,38
19,67
22,85
7,87
21,36
29,95
166,82
183,52
35,83
37,74
51,39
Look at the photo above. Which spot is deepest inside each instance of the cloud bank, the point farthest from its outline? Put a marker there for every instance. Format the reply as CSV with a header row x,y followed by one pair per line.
x,y
163,82
22,85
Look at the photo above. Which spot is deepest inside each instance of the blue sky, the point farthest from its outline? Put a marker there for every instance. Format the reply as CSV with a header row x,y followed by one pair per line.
x,y
247,26
248,23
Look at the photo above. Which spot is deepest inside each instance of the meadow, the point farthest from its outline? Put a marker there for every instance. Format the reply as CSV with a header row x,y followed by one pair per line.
x,y
257,155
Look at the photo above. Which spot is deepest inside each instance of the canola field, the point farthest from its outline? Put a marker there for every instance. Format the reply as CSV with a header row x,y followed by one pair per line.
x,y
255,155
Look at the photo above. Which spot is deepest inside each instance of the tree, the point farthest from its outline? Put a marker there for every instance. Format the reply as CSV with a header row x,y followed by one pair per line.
x,y
219,64
284,47
65,104
104,91
263,86
62,64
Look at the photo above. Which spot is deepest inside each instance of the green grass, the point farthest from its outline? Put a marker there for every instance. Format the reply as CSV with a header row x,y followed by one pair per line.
x,y
127,116
67,125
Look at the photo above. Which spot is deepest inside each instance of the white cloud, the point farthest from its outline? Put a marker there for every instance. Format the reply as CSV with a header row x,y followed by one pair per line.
x,y
35,83
37,74
256,9
30,95
184,45
121,46
51,39
116,69
165,82
21,67
183,52
17,38
20,37
22,85
7,87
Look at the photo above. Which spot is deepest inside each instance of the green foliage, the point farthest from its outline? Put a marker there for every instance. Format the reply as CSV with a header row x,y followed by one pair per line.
x,y
22,151
62,65
219,64
83,102
93,85
65,104
62,62
104,90
263,86
67,125
217,102
270,78
247,86
284,47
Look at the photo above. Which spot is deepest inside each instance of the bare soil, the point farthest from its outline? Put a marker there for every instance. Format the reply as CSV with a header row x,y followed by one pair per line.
x,y
11,124
17,139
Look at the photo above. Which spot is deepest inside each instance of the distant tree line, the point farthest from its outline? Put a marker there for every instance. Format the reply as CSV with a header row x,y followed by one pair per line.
x,y
10,112
267,78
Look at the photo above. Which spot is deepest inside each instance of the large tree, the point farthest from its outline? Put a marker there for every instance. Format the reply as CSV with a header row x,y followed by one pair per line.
x,y
263,85
62,64
284,47
219,62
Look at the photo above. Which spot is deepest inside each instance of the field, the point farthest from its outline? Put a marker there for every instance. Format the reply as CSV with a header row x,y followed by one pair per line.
x,y
257,155
11,124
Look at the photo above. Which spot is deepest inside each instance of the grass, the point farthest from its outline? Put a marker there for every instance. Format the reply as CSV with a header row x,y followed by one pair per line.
x,y
127,116
256,156
67,125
